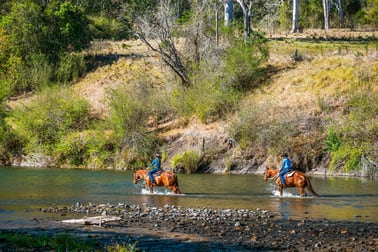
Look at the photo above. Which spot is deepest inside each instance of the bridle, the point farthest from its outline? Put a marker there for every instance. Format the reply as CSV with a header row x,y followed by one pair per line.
x,y
137,178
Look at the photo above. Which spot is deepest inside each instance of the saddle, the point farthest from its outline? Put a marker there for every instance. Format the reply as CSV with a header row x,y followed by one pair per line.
x,y
158,173
290,173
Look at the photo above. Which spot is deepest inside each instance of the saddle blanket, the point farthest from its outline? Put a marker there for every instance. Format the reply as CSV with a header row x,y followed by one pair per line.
x,y
158,173
290,173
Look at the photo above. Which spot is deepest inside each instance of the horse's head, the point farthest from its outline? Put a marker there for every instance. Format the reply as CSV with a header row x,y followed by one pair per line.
x,y
138,175
269,172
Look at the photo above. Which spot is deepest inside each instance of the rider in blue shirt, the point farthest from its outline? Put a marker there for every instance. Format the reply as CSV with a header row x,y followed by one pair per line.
x,y
285,167
154,166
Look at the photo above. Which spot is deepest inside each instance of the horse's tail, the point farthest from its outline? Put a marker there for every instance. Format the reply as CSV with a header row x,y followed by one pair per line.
x,y
176,185
309,186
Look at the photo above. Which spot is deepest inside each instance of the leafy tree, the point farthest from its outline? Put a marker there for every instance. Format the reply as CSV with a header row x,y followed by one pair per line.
x,y
36,39
372,12
24,28
68,29
246,7
284,16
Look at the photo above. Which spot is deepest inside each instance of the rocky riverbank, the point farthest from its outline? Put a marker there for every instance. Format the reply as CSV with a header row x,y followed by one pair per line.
x,y
218,229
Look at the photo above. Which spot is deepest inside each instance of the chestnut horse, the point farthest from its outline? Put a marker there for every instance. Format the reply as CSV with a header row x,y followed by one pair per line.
x,y
298,180
166,178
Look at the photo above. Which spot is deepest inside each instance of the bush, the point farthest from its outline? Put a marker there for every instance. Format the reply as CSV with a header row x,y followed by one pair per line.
x,y
130,112
356,133
106,28
206,100
259,124
189,160
218,82
242,62
70,67
91,148
9,143
48,118
333,141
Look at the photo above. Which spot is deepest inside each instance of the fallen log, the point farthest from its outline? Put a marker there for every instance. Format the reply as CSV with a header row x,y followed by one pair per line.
x,y
95,220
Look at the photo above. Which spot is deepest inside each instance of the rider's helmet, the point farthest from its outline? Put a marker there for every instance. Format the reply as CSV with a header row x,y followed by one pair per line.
x,y
284,154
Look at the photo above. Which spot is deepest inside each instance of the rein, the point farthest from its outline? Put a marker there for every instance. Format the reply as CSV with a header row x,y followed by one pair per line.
x,y
275,177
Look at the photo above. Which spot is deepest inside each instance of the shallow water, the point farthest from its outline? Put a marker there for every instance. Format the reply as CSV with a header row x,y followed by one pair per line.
x,y
23,191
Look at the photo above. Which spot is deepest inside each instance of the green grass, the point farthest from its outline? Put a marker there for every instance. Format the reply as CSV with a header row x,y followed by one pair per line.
x,y
16,241
20,241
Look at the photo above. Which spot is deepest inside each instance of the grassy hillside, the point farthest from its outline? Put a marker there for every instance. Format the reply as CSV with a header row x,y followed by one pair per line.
x,y
317,100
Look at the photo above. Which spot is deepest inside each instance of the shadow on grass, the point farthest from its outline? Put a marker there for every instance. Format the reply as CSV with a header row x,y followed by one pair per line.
x,y
58,239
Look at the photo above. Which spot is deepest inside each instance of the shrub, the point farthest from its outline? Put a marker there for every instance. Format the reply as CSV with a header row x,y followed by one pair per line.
x,y
259,124
357,131
242,62
219,80
333,141
9,143
20,241
205,100
91,148
106,28
48,118
189,160
130,112
126,247
347,157
70,67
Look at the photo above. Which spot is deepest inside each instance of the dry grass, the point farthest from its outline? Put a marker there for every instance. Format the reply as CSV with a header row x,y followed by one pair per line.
x,y
135,64
328,79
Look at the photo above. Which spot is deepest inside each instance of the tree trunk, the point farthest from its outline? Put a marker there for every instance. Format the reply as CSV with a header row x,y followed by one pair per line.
x,y
341,13
216,24
326,14
295,16
247,14
228,12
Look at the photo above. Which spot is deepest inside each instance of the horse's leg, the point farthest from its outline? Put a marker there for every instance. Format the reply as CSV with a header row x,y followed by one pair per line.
x,y
172,188
302,191
149,184
280,188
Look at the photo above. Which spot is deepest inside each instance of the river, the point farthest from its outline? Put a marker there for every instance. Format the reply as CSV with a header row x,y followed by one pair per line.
x,y
23,191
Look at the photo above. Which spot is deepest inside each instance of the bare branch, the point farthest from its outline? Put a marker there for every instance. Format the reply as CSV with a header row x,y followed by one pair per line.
x,y
156,32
